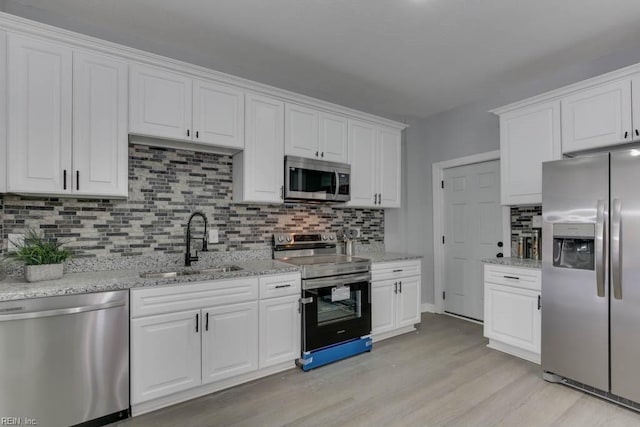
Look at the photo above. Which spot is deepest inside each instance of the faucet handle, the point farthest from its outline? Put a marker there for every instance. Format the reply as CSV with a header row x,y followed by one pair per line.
x,y
204,244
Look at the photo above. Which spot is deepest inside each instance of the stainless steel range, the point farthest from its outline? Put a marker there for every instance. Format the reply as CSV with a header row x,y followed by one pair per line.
x,y
336,297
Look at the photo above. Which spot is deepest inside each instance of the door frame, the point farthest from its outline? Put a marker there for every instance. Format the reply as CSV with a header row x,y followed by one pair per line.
x,y
438,217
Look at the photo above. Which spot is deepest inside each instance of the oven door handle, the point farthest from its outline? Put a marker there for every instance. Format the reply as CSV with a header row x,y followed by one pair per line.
x,y
328,282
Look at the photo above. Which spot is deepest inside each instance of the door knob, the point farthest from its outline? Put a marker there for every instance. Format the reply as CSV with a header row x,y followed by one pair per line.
x,y
500,244
499,255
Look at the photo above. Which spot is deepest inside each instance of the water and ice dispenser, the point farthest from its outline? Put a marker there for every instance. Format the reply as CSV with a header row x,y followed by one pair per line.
x,y
574,245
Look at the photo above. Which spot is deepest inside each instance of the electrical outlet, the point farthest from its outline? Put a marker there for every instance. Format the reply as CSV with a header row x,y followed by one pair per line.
x,y
354,233
14,238
536,221
213,236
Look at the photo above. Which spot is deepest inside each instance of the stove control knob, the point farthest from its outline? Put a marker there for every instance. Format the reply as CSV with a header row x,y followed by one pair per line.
x,y
332,237
280,239
324,237
289,239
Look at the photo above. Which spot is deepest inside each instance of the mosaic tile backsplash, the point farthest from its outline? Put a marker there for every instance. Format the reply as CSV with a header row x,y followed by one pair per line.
x,y
521,217
165,187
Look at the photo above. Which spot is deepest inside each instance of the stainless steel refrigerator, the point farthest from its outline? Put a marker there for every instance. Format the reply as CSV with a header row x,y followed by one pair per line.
x,y
591,273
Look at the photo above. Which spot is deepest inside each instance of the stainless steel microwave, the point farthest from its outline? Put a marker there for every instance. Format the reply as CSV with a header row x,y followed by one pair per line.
x,y
316,180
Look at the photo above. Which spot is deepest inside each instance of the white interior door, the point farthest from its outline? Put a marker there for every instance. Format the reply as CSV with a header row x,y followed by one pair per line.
x,y
473,228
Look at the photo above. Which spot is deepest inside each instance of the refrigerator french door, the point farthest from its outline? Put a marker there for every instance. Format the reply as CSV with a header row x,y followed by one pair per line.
x,y
591,271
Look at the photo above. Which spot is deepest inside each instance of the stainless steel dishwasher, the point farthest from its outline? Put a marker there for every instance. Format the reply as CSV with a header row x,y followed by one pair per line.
x,y
65,360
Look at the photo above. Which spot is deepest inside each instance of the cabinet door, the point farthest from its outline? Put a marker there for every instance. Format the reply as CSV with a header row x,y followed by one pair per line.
x,y
39,107
229,341
333,137
511,315
301,132
259,169
100,139
383,306
528,137
408,297
362,157
160,103
597,117
165,355
218,115
389,167
280,329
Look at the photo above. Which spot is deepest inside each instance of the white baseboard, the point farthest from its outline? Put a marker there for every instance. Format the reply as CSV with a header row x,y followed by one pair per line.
x,y
428,308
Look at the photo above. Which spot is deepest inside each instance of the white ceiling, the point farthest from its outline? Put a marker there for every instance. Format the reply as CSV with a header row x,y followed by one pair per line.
x,y
392,57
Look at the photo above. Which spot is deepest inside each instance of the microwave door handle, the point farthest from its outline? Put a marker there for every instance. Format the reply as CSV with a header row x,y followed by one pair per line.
x,y
335,195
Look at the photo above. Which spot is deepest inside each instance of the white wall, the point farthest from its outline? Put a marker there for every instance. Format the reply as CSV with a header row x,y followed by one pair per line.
x,y
463,131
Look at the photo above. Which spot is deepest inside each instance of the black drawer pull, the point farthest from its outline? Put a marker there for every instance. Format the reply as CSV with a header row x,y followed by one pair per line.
x,y
197,321
283,286
206,325
398,270
512,277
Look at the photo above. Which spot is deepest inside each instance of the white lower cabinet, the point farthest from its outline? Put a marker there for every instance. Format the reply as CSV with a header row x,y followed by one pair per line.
x,y
188,340
165,355
280,330
395,298
512,317
229,341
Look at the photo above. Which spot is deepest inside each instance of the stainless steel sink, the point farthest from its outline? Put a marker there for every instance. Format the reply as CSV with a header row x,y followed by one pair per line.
x,y
178,273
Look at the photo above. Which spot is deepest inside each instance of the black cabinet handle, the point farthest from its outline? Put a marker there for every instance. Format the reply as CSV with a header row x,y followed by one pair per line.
x,y
397,270
322,154
400,282
539,302
283,286
197,134
499,255
77,180
395,288
64,179
317,152
626,134
282,192
637,133
500,244
188,133
197,321
511,277
206,322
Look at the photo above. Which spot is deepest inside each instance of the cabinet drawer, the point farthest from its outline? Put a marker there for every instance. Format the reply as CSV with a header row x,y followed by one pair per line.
x,y
279,286
145,302
525,278
389,270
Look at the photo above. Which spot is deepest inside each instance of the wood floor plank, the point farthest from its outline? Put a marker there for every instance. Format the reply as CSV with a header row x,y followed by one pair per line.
x,y
441,375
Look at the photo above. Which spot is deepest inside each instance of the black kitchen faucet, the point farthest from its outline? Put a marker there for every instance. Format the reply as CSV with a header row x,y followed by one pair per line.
x,y
188,258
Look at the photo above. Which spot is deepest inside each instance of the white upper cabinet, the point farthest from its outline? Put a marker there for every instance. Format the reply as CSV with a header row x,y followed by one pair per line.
x,y
315,135
218,115
258,171
374,154
160,103
49,84
301,131
100,140
528,137
363,139
333,137
597,117
39,116
389,167
171,105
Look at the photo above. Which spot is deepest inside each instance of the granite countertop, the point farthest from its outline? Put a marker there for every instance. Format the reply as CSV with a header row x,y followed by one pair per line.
x,y
13,288
389,256
515,262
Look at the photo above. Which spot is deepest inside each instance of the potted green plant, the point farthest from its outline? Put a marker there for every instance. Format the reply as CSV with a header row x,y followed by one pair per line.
x,y
42,256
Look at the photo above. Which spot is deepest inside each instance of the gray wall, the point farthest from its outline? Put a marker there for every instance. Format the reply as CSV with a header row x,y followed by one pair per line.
x,y
463,131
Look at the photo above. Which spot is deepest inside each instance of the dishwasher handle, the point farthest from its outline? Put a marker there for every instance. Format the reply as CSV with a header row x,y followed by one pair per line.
x,y
60,311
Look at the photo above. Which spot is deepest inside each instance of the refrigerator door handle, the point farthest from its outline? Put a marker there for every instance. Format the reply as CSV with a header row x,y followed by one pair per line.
x,y
616,248
600,253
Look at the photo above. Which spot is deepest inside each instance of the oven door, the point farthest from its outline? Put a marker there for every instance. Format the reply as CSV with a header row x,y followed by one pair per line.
x,y
336,309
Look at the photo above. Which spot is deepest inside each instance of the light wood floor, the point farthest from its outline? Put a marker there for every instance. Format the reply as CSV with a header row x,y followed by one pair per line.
x,y
441,375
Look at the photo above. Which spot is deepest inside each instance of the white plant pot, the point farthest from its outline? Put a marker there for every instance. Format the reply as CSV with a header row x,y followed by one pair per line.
x,y
38,273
